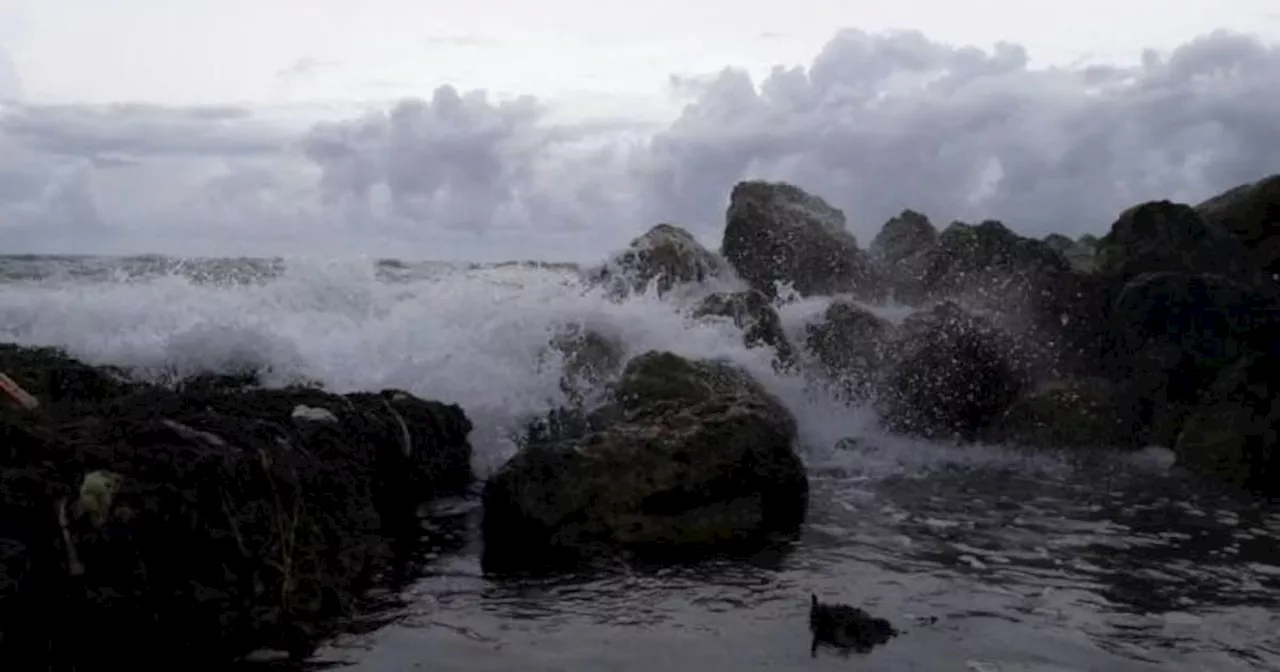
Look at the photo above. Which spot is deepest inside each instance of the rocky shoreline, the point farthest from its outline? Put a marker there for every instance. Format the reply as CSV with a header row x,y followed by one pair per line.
x,y
212,518
145,524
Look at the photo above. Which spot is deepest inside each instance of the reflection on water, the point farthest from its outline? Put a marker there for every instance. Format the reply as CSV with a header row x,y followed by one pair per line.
x,y
986,569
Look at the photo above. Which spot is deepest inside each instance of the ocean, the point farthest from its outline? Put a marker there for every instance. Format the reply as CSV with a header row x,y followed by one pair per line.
x,y
990,558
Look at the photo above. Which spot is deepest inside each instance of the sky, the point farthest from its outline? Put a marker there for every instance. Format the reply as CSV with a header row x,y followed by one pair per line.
x,y
499,129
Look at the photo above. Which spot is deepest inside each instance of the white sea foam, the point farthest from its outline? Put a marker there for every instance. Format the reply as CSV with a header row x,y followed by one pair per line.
x,y
473,336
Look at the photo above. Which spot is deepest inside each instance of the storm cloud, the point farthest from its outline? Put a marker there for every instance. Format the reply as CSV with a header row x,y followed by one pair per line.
x,y
876,123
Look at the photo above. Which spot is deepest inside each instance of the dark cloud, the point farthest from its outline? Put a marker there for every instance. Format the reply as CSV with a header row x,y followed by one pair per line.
x,y
876,123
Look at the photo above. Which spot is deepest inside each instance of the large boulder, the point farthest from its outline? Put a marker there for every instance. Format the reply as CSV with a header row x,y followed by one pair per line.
x,y
1234,433
1077,413
666,256
777,232
142,524
689,456
1164,236
850,344
1172,333
1029,287
953,374
990,265
1251,212
901,252
752,312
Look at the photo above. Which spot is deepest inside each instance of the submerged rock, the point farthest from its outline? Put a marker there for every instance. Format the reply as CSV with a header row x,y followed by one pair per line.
x,y
689,457
751,312
846,628
666,255
141,524
776,232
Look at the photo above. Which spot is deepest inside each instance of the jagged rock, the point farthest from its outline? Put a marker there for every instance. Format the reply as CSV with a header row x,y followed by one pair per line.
x,y
776,232
751,312
901,251
141,524
850,342
1252,213
954,373
1164,236
667,255
1071,413
689,456
1232,433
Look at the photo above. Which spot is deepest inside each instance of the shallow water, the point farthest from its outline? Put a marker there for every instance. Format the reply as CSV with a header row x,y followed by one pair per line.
x,y
989,559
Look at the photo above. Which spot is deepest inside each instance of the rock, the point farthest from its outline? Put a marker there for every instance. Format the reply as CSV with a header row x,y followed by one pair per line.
x,y
1164,236
1251,213
48,373
590,359
1172,333
990,265
1079,253
776,232
901,252
850,343
688,457
160,526
953,374
751,312
1232,434
1074,413
666,255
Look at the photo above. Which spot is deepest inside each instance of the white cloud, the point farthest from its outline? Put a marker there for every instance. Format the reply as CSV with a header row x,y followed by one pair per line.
x,y
877,123
10,85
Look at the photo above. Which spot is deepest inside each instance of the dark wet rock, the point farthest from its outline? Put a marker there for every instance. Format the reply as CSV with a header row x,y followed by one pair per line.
x,y
590,360
846,628
48,373
1081,254
160,526
1030,289
688,457
901,252
850,343
1232,434
1251,212
666,255
751,312
776,232
953,374
1162,236
990,265
1086,413
1172,333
